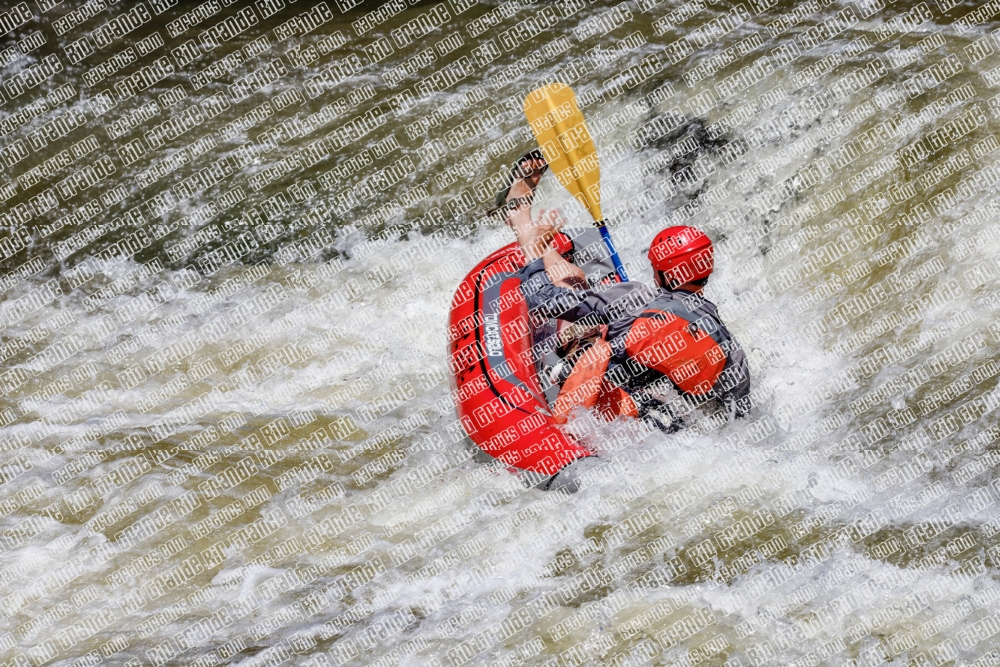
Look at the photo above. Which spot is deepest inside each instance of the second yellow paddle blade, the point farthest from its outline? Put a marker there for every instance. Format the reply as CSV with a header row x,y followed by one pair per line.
x,y
562,134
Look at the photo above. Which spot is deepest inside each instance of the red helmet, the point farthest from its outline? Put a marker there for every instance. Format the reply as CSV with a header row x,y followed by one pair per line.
x,y
683,253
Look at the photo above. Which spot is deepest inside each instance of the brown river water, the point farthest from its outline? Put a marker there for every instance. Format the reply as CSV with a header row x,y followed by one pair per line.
x,y
230,239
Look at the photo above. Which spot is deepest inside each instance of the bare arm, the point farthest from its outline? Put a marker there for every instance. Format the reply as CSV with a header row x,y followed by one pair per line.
x,y
535,239
546,298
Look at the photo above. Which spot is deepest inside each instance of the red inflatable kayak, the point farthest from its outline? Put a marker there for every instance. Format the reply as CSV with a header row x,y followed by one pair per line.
x,y
497,394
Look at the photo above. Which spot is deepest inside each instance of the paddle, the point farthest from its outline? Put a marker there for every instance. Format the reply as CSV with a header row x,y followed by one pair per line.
x,y
562,134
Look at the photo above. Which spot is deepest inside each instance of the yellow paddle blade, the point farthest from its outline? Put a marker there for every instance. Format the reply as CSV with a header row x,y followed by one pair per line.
x,y
562,134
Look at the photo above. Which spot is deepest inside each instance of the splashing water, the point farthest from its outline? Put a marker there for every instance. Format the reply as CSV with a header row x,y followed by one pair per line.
x,y
238,446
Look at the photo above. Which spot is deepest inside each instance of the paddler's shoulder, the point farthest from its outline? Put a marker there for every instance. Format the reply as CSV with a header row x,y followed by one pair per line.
x,y
635,294
689,300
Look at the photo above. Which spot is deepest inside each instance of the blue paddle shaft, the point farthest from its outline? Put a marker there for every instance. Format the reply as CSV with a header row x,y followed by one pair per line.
x,y
614,253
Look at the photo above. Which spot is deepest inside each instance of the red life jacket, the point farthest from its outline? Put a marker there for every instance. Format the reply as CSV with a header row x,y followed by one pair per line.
x,y
587,386
679,336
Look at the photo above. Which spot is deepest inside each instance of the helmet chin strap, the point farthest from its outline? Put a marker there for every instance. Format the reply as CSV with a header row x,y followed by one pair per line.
x,y
671,284
667,282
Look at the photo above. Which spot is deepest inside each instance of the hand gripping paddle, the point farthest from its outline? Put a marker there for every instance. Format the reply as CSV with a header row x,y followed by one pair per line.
x,y
562,134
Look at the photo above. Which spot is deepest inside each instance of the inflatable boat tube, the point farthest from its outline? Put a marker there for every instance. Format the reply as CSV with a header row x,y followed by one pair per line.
x,y
497,394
